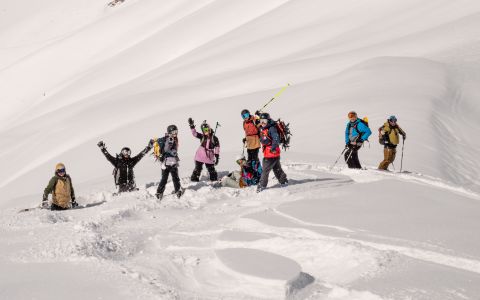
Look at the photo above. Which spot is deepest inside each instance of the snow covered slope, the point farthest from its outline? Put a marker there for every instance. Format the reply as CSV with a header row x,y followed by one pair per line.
x,y
76,72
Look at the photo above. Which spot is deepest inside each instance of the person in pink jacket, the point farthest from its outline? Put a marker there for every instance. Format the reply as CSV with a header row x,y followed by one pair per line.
x,y
208,152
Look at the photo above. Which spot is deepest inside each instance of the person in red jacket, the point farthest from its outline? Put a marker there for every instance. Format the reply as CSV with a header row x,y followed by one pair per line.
x,y
271,152
252,135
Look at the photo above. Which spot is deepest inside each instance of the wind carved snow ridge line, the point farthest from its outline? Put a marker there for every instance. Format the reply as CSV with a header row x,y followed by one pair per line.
x,y
298,221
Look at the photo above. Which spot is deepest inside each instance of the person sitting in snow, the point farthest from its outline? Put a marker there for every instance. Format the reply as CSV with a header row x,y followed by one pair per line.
x,y
388,135
61,188
208,152
168,156
124,164
249,174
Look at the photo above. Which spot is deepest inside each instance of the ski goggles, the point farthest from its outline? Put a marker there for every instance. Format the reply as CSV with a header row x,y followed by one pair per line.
x,y
173,132
206,129
61,170
392,119
126,152
246,116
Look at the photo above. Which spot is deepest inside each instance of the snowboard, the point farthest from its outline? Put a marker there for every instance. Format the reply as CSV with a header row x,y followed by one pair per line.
x,y
76,207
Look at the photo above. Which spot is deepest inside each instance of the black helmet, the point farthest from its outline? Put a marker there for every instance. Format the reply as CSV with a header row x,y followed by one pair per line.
x,y
172,128
204,125
265,116
245,112
126,151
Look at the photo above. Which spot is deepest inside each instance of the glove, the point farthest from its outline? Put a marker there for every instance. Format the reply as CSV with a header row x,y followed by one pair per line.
x,y
404,136
150,143
74,203
101,145
217,159
257,113
359,141
244,140
191,123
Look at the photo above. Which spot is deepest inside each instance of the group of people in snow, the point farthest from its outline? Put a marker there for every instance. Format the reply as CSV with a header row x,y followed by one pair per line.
x,y
261,132
357,132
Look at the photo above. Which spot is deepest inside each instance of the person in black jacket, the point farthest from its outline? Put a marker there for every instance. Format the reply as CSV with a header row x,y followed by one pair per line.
x,y
169,159
124,164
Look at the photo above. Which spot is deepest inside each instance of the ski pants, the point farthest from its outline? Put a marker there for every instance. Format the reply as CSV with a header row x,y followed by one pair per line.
x,y
270,164
176,180
233,180
127,187
253,154
351,157
198,171
388,158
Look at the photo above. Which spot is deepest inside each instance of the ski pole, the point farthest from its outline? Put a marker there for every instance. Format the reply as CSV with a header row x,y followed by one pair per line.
x,y
401,161
344,149
274,97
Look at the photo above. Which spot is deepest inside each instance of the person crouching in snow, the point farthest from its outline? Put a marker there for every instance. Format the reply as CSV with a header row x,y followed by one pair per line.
x,y
271,152
208,152
124,164
61,188
249,174
168,155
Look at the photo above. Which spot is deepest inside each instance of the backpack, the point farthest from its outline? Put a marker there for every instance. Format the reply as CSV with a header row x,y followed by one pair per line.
x,y
157,149
284,133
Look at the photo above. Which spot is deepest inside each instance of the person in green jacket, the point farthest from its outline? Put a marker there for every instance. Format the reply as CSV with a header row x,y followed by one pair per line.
x,y
61,188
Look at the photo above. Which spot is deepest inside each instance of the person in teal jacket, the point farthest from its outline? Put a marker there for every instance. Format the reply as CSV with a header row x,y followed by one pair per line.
x,y
356,133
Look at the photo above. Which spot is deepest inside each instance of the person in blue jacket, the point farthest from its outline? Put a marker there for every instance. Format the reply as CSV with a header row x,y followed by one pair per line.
x,y
356,133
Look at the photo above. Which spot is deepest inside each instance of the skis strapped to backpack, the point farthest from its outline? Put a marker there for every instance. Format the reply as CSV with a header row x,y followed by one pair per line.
x,y
283,133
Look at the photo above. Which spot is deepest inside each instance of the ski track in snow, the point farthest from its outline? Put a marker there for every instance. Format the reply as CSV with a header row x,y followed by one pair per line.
x,y
130,230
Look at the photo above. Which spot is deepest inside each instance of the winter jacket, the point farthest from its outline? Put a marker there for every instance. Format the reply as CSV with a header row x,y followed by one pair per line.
x,y
251,173
169,149
389,134
124,166
62,191
270,140
208,149
356,132
252,134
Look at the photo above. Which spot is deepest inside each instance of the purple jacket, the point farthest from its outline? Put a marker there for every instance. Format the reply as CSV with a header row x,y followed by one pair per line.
x,y
208,149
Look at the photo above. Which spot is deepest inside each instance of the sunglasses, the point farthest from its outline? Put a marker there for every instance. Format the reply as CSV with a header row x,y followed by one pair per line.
x,y
245,115
61,171
173,132
126,152
263,120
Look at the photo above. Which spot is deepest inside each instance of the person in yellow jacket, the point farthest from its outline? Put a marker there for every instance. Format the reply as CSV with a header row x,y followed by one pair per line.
x,y
61,188
388,135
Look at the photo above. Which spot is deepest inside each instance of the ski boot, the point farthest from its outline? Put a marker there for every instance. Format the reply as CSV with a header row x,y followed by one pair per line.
x,y
180,192
159,196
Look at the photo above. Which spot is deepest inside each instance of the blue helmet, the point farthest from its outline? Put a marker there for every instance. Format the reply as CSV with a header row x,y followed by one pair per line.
x,y
392,118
